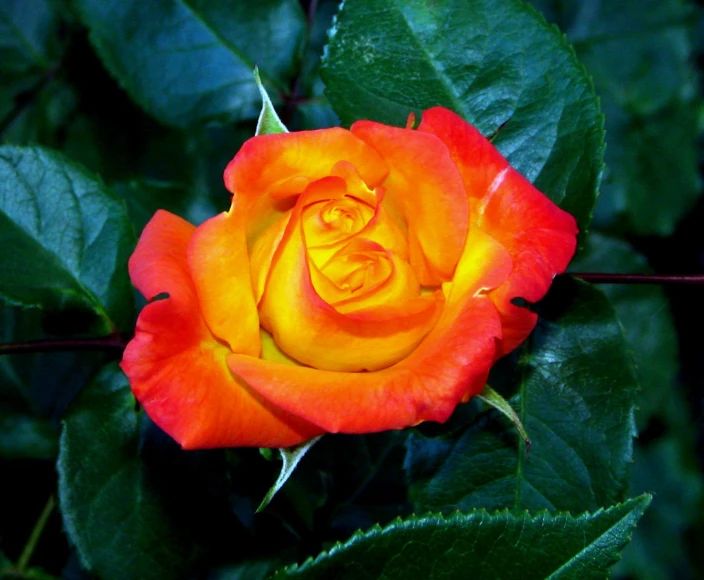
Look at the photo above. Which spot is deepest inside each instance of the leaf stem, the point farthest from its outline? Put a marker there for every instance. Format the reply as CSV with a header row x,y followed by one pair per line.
x,y
604,278
100,343
35,535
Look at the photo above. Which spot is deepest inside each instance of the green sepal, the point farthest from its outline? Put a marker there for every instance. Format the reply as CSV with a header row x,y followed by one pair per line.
x,y
290,458
491,397
269,122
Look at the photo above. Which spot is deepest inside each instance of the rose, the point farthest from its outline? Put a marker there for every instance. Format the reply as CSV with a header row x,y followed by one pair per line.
x,y
362,280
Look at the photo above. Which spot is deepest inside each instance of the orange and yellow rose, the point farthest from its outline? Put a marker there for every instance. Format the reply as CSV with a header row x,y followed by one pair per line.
x,y
362,280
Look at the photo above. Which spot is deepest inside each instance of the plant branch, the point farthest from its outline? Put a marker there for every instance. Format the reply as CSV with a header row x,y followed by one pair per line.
x,y
603,278
118,343
59,344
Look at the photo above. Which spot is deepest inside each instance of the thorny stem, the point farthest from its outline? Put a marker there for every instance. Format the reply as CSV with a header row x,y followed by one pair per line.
x,y
117,343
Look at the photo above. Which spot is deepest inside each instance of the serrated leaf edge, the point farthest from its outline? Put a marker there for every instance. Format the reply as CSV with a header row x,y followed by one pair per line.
x,y
457,517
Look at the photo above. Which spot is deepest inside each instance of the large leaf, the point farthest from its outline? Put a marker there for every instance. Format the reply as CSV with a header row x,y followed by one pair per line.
x,y
640,55
66,238
576,388
496,63
121,526
482,545
190,61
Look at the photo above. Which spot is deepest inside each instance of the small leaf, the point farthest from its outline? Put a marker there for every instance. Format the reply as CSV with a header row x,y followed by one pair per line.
x,y
576,395
66,238
121,526
290,458
268,122
497,64
480,545
190,63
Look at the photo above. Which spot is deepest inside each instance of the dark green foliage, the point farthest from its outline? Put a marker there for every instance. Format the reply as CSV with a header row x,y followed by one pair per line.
x,y
118,521
497,64
112,109
189,63
639,54
575,394
482,545
69,235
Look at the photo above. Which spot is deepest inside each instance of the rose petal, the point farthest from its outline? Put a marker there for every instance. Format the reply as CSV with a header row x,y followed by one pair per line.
x,y
219,266
286,163
425,190
310,330
450,364
540,237
178,370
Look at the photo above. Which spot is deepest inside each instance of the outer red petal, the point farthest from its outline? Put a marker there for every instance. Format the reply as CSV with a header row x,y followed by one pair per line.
x,y
426,191
540,237
450,364
178,370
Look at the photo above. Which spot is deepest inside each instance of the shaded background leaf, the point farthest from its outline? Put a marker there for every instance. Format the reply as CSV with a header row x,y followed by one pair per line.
x,y
497,64
190,62
640,56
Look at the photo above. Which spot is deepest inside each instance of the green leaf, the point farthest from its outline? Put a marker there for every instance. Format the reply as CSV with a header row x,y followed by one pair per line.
x,y
36,388
121,526
290,458
652,177
29,53
43,115
639,53
24,436
644,312
482,545
67,238
28,38
669,469
576,393
496,63
190,62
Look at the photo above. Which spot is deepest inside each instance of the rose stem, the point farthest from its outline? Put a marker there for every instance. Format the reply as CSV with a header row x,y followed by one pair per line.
x,y
117,343
101,343
595,278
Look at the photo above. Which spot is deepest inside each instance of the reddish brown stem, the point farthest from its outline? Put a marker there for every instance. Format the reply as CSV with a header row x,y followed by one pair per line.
x,y
640,278
52,345
117,343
